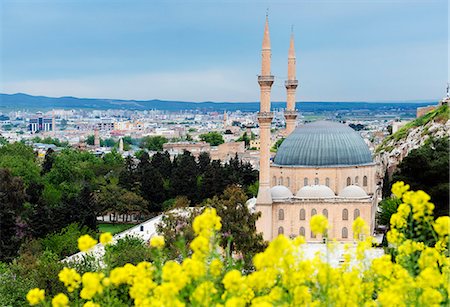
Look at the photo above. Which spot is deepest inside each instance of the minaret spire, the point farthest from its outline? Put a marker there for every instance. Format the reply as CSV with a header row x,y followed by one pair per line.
x,y
291,85
265,80
266,51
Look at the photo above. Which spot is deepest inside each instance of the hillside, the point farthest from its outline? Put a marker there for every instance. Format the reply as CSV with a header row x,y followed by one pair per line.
x,y
41,103
414,134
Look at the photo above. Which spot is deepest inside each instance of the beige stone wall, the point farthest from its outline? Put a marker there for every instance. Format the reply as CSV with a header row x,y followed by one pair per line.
x,y
424,110
291,223
294,177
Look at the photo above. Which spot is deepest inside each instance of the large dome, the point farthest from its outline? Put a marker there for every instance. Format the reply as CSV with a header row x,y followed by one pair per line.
x,y
323,143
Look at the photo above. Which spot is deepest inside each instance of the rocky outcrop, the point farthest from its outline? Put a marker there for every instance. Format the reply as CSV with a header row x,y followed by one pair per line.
x,y
390,153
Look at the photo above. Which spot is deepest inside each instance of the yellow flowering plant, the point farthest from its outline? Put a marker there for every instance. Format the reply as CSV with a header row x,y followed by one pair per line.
x,y
282,275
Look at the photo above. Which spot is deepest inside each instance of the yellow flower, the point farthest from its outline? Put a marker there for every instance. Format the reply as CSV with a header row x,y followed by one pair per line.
x,y
70,278
106,238
442,226
215,268
91,285
86,242
232,281
119,276
203,295
91,304
235,302
60,300
319,224
206,223
200,246
399,188
397,221
359,227
35,296
157,241
430,297
299,240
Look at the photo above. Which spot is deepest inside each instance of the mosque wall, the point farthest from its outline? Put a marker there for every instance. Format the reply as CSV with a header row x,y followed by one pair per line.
x,y
293,218
336,178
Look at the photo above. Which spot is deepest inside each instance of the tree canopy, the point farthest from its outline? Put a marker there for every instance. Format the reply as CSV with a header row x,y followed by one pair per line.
x,y
213,138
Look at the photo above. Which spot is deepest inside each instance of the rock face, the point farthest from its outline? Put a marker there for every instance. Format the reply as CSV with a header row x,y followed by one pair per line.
x,y
413,135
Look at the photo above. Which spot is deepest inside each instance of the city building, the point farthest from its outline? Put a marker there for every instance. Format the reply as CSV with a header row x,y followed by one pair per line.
x,y
40,123
195,148
323,167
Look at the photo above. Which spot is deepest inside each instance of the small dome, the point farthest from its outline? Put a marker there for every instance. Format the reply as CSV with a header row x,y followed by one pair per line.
x,y
315,191
353,191
280,192
251,204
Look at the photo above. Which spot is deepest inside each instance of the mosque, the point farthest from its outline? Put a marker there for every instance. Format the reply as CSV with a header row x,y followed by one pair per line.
x,y
322,167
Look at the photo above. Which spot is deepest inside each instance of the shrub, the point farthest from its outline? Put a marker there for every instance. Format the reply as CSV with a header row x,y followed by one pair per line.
x,y
418,276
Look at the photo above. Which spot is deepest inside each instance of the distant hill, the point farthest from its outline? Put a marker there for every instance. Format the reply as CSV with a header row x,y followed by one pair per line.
x,y
23,101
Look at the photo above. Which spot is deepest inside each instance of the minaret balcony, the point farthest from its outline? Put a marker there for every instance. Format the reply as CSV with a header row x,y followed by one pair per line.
x,y
265,117
266,80
291,83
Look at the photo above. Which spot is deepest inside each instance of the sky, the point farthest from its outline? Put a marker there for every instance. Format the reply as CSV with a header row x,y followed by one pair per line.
x,y
352,50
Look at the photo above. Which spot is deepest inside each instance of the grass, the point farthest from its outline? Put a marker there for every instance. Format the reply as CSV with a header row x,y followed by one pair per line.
x,y
114,228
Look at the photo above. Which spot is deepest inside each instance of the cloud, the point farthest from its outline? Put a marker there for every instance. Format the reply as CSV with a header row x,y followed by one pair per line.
x,y
214,85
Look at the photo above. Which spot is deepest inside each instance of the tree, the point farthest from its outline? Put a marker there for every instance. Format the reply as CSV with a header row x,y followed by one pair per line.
x,y
153,143
48,161
214,180
12,198
204,160
111,198
21,161
427,168
127,250
244,138
238,224
387,206
277,145
161,161
184,176
128,177
213,138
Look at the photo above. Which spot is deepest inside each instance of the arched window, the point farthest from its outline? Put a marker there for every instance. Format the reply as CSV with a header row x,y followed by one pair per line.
x,y
302,214
280,230
302,231
344,233
365,181
345,215
313,212
356,180
327,182
325,212
281,214
356,214
288,182
274,180
316,181
313,236
349,181
305,181
280,181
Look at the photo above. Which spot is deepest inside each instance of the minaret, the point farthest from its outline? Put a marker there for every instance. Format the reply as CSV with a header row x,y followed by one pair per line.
x,y
291,85
121,145
53,123
225,120
96,138
264,198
